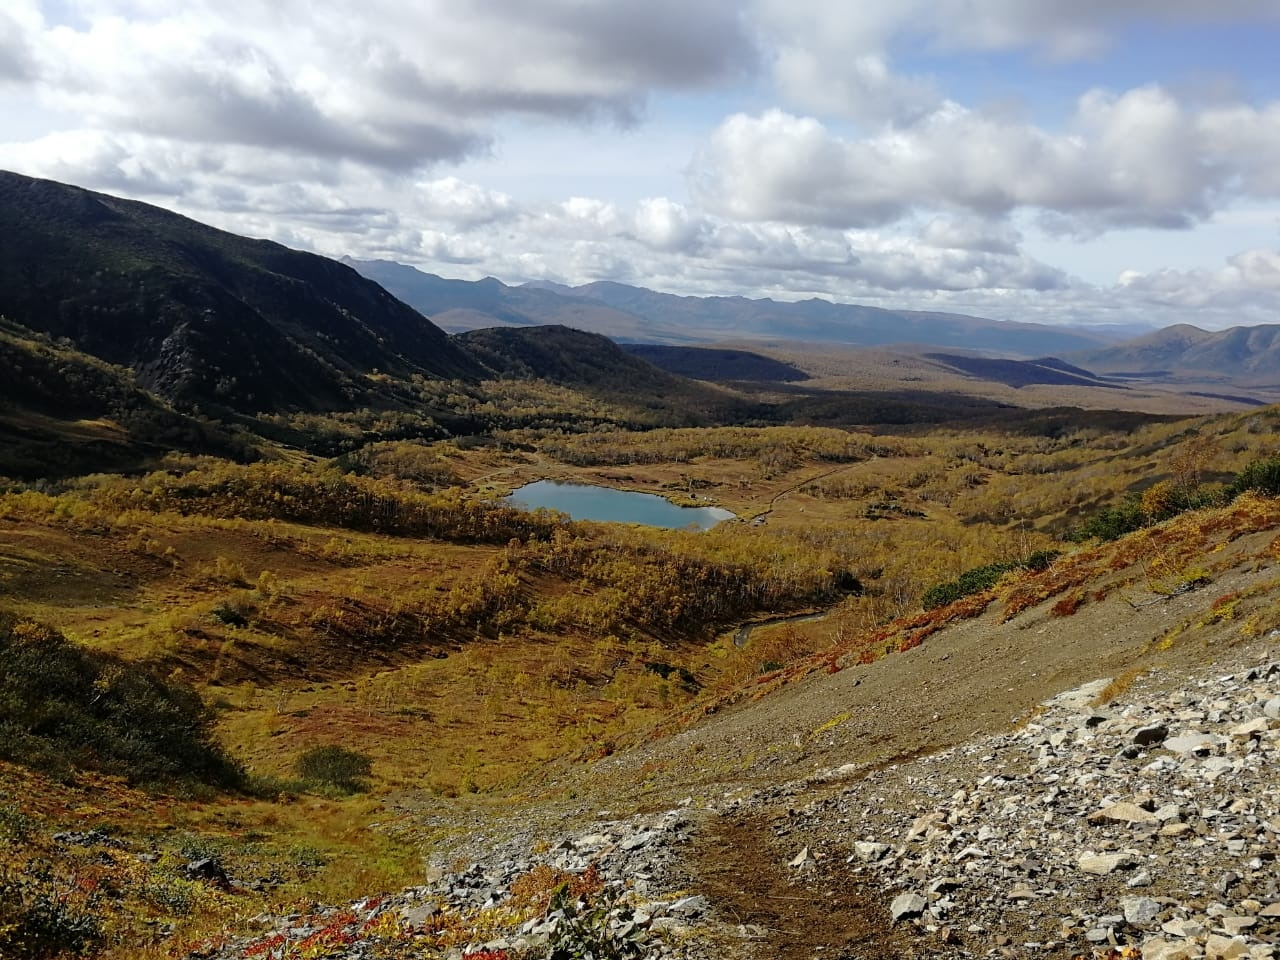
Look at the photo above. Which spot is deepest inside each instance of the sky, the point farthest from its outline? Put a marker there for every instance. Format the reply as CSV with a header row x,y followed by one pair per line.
x,y
1056,161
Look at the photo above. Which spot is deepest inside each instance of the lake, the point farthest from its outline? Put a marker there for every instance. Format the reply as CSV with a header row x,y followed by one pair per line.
x,y
584,502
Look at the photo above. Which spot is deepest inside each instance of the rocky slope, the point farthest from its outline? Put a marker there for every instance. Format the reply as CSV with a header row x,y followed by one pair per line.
x,y
1147,826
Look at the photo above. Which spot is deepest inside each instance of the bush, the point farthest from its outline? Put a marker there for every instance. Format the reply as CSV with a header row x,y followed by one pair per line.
x,y
601,928
983,578
63,707
1260,476
971,581
335,767
1111,523
45,915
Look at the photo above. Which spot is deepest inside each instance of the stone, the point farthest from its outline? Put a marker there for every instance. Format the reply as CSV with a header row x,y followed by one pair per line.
x,y
1123,813
417,914
1225,948
1150,735
869,852
1252,729
1186,929
636,841
1140,879
1237,925
210,870
801,858
694,906
907,905
1102,864
1139,911
923,824
1194,743
1158,949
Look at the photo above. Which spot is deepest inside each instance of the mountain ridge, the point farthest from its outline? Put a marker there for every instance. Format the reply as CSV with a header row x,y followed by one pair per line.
x,y
641,315
1246,354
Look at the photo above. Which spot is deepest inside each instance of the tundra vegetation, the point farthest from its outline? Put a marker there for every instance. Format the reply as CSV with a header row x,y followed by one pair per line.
x,y
338,607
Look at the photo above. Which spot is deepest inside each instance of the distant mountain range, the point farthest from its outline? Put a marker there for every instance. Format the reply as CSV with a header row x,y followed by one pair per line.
x,y
216,323
639,315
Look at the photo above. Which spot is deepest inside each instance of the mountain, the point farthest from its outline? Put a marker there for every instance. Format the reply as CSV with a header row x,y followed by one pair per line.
x,y
1245,354
204,317
64,413
646,316
595,365
461,305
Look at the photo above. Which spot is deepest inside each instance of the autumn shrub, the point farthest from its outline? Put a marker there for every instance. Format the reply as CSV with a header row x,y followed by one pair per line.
x,y
969,582
335,768
1260,476
1068,605
63,708
44,914
1111,523
594,928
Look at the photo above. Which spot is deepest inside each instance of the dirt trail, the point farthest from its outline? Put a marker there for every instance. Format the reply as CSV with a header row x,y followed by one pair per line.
x,y
822,911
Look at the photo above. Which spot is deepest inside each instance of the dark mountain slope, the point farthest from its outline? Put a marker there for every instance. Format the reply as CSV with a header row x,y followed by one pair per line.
x,y
598,367
64,413
203,316
1022,373
716,364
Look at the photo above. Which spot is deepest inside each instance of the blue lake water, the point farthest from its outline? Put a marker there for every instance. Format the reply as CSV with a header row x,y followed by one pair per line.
x,y
583,502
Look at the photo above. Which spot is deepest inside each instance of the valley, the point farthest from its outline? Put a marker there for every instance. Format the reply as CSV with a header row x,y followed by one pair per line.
x,y
285,674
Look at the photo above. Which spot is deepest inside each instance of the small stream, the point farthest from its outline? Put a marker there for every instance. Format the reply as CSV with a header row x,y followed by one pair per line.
x,y
743,634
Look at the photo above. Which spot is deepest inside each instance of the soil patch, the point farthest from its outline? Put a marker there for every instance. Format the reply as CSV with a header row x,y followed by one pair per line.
x,y
819,909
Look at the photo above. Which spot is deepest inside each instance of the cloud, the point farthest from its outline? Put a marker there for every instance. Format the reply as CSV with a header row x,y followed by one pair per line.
x,y
1136,159
382,83
838,58
663,224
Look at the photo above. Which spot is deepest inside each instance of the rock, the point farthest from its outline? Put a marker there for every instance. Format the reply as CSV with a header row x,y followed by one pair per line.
x,y
907,905
1158,949
210,870
1140,879
416,915
1225,948
1169,813
689,907
1186,929
801,858
1150,735
869,852
1139,911
1101,864
1237,925
636,841
1272,708
1251,730
923,824
1123,813
1194,743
